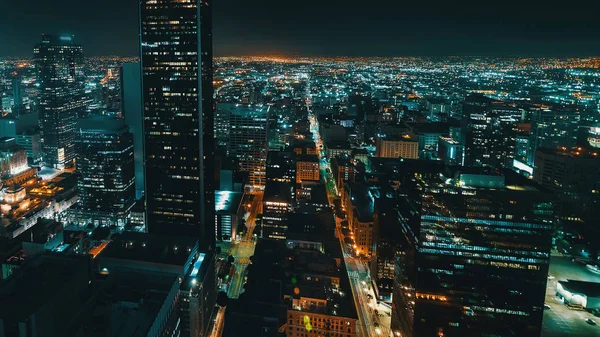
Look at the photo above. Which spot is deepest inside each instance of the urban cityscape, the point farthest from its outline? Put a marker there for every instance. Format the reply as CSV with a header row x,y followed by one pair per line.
x,y
184,193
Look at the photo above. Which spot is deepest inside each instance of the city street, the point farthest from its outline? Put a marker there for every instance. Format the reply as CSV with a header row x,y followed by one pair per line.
x,y
370,323
241,251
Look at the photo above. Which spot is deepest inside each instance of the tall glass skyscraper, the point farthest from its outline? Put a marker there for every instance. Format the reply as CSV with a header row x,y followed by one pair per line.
x,y
247,142
59,61
105,162
177,93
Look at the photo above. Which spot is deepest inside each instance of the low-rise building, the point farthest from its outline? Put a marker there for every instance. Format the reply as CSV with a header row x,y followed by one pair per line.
x,y
359,204
307,168
397,147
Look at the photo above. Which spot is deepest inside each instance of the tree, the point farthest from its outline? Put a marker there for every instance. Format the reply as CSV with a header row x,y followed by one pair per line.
x,y
222,299
230,259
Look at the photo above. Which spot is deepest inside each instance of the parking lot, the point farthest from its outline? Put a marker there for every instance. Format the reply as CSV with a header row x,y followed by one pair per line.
x,y
560,321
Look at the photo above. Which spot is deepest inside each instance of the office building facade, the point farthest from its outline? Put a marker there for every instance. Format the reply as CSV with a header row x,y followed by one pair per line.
x,y
397,148
106,187
552,129
59,61
489,131
177,95
248,142
474,260
131,110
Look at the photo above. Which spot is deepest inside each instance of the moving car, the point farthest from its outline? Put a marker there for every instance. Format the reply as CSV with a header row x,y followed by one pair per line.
x,y
590,321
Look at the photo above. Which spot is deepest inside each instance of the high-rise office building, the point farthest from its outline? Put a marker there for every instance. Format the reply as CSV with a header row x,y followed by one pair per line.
x,y
177,94
552,129
574,176
131,110
451,151
221,126
16,91
489,131
59,61
475,255
106,185
248,143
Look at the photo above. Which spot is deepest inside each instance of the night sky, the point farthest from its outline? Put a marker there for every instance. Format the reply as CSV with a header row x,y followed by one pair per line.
x,y
325,27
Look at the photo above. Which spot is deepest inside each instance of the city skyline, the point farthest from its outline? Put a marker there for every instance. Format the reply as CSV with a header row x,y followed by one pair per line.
x,y
331,28
306,188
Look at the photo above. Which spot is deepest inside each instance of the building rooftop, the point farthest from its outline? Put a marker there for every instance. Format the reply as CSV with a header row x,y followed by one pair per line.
x,y
313,158
276,191
342,161
576,152
38,281
102,124
589,289
362,200
228,201
129,303
160,249
421,128
293,271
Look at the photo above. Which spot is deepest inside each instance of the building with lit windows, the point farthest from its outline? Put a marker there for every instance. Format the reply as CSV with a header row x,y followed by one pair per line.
x,y
228,213
277,205
195,268
13,158
475,254
387,246
105,162
359,204
177,95
489,132
342,169
303,146
574,176
552,129
59,65
248,141
280,167
307,168
399,147
318,301
450,151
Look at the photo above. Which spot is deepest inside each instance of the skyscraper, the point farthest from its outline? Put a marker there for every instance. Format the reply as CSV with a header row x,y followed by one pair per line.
x,y
489,131
16,90
474,257
552,129
131,109
176,57
105,162
58,61
248,143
